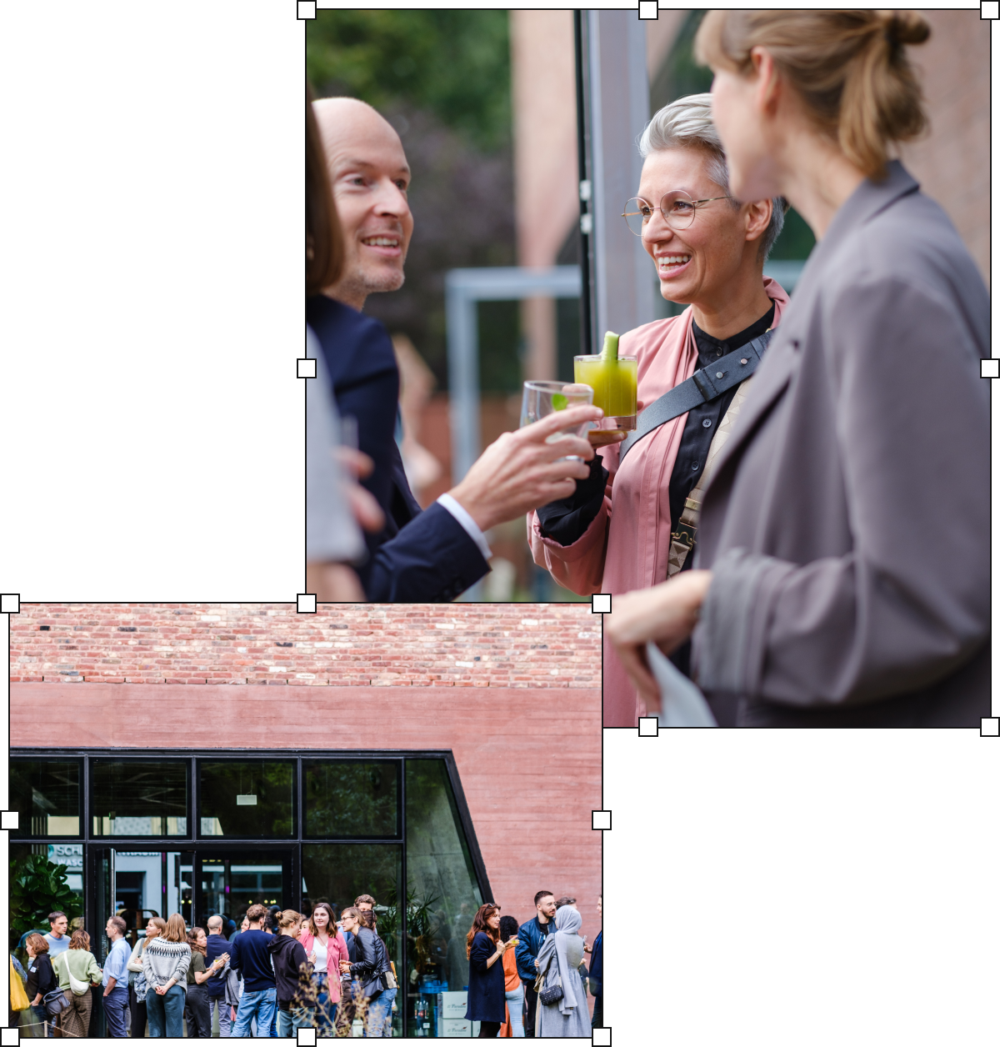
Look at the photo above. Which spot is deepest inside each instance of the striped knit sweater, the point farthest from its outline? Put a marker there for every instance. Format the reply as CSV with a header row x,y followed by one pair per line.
x,y
163,960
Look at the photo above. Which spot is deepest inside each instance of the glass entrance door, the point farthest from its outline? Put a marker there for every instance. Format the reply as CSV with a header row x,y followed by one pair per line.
x,y
230,880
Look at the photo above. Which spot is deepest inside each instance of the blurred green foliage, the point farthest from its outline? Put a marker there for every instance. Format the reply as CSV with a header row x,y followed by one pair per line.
x,y
456,64
680,74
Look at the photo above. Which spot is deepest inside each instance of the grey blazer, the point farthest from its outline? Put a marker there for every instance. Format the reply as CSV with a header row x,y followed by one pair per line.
x,y
847,520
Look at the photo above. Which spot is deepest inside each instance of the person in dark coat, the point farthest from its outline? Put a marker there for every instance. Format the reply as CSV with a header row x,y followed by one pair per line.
x,y
435,554
41,978
371,966
487,999
288,956
597,974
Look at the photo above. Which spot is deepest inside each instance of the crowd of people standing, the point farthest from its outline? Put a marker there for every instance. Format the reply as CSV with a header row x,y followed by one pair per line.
x,y
282,971
279,972
532,980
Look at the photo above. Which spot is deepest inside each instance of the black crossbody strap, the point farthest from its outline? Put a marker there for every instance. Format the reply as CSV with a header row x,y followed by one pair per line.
x,y
702,386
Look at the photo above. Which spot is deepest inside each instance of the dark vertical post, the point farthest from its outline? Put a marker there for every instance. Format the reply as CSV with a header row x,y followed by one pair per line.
x,y
404,981
583,166
300,832
193,798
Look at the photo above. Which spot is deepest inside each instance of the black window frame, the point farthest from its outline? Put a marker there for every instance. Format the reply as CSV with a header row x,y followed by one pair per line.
x,y
115,755
247,756
22,834
94,845
396,837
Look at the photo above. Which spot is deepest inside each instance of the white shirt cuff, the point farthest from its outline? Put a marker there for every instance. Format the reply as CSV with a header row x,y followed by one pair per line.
x,y
467,523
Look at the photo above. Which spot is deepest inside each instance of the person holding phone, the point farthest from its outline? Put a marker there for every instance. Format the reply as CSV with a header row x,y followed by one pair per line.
x,y
485,950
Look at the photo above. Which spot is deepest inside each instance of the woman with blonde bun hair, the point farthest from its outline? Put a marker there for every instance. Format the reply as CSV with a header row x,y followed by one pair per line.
x,y
840,578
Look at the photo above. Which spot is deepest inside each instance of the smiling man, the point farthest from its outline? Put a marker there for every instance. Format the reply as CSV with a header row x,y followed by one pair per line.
x,y
419,555
370,177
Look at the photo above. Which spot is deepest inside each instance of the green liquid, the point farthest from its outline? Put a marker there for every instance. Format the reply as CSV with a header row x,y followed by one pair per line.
x,y
613,382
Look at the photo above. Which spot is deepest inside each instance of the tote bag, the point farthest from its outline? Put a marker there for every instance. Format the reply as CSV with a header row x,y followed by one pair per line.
x,y
18,997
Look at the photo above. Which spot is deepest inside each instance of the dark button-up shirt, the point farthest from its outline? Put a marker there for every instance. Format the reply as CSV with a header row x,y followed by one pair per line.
x,y
699,430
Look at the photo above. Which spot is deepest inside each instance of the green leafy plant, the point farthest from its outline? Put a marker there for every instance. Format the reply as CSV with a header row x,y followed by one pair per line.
x,y
418,917
38,887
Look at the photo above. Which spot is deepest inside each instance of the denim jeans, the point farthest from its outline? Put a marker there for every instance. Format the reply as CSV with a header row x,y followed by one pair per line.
x,y
380,1014
39,1017
515,1007
115,1010
292,1019
165,1014
225,1014
259,1005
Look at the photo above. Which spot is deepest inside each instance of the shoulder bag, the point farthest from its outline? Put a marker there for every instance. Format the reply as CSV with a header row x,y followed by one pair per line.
x,y
77,987
140,987
548,994
551,994
55,1002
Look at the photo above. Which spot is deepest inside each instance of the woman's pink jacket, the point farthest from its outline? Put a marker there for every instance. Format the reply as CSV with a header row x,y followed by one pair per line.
x,y
336,950
627,545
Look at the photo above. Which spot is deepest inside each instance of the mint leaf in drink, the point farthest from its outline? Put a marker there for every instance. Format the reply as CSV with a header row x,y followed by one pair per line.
x,y
559,402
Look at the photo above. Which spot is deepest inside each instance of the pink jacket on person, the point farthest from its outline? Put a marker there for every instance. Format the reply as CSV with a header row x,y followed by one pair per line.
x,y
336,950
627,545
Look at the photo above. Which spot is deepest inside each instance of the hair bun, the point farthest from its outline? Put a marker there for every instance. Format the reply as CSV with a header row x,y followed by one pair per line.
x,y
905,27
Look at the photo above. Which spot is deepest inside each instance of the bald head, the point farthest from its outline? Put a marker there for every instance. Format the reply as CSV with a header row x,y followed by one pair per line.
x,y
370,177
348,120
214,924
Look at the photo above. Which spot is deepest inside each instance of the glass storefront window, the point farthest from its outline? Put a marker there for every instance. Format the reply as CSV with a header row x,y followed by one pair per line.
x,y
442,896
246,799
351,798
46,794
139,797
338,872
353,834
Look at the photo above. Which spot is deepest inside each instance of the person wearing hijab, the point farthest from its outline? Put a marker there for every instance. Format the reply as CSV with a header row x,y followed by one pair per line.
x,y
559,962
840,578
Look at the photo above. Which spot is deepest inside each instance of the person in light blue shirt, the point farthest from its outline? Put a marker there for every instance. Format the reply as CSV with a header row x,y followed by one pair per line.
x,y
115,980
57,937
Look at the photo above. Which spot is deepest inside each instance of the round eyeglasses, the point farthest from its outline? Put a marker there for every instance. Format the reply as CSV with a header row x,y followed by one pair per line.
x,y
677,208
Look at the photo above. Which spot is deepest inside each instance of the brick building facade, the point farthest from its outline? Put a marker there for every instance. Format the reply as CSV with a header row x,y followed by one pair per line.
x,y
511,692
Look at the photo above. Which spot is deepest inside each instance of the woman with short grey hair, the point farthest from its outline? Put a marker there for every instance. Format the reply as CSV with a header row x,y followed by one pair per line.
x,y
688,121
633,522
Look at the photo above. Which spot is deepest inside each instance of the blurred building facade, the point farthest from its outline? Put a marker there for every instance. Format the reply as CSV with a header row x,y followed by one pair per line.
x,y
952,163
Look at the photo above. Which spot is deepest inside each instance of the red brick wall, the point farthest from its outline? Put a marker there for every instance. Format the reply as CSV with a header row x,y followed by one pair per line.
x,y
525,725
460,645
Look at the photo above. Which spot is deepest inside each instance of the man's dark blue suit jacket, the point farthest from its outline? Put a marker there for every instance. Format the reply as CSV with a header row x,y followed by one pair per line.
x,y
420,556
